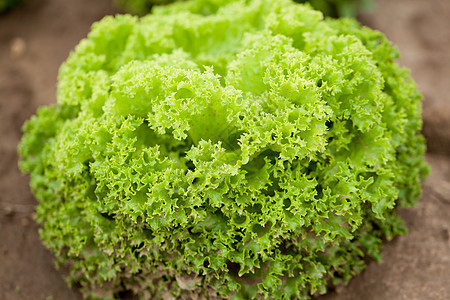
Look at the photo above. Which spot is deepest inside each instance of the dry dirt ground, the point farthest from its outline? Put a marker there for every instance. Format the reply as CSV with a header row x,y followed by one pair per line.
x,y
37,37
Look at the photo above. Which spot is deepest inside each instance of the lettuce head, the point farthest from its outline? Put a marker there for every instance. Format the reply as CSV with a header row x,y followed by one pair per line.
x,y
224,149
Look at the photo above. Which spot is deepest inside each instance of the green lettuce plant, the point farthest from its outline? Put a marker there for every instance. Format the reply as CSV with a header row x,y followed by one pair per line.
x,y
139,7
333,8
339,8
6,5
224,149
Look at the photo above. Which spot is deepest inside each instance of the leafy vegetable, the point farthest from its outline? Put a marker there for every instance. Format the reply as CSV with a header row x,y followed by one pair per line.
x,y
333,8
6,5
339,8
140,7
225,149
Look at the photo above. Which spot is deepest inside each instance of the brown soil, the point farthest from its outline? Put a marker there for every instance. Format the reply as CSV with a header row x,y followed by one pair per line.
x,y
36,38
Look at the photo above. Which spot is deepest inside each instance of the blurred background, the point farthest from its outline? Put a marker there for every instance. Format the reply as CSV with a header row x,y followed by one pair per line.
x,y
37,36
